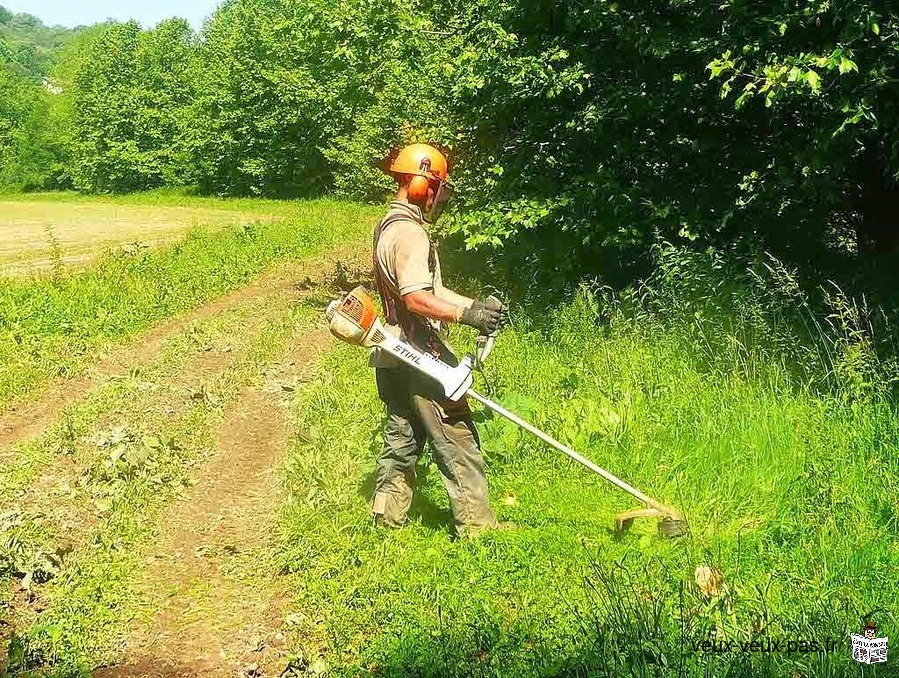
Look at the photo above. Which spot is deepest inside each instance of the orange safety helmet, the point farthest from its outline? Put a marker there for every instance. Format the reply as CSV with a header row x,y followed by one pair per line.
x,y
425,164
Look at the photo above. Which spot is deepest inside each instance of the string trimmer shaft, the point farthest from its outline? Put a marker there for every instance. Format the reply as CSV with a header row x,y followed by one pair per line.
x,y
354,319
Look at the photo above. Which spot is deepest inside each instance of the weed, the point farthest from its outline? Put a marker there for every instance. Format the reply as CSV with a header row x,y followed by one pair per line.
x,y
56,252
131,447
19,556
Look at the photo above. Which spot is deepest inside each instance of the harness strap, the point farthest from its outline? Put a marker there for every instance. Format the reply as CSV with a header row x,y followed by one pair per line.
x,y
388,298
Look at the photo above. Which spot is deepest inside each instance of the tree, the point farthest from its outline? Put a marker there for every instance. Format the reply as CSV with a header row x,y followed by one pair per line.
x,y
578,130
255,115
130,97
826,73
588,125
28,153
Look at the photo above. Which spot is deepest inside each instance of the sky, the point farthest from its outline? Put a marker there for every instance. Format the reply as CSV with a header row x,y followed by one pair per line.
x,y
69,13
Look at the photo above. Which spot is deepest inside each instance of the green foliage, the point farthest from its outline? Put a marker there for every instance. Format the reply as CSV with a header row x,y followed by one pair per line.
x,y
28,152
256,130
130,95
296,99
604,124
592,128
33,126
30,45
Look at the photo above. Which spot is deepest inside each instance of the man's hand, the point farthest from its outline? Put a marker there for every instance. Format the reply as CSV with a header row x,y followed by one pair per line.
x,y
493,304
485,320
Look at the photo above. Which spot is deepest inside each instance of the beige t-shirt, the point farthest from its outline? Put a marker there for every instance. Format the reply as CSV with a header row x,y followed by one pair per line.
x,y
404,252
404,255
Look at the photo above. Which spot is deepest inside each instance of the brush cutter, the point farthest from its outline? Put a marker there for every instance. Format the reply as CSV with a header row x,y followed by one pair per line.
x,y
354,319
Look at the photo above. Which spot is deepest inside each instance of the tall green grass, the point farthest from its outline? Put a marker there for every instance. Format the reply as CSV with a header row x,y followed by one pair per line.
x,y
52,326
770,426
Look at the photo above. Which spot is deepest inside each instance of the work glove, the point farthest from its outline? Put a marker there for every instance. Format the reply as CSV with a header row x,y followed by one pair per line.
x,y
484,320
493,304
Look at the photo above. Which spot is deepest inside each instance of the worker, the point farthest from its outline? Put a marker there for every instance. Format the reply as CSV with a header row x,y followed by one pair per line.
x,y
418,309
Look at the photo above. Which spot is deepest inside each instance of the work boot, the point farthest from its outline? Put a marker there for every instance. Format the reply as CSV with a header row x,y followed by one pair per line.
x,y
383,523
390,506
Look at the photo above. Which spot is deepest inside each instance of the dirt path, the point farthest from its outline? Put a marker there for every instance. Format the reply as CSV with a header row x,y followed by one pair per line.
x,y
211,580
210,591
24,420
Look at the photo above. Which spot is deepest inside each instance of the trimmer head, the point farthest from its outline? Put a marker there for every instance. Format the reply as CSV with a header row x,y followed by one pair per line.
x,y
671,523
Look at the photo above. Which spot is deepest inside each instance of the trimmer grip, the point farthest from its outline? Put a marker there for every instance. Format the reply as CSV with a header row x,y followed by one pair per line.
x,y
483,347
484,344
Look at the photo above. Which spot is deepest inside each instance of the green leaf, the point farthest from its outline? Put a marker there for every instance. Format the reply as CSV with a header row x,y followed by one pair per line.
x,y
847,65
813,80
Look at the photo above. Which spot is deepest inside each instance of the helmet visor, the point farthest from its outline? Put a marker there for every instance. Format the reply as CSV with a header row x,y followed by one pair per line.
x,y
438,204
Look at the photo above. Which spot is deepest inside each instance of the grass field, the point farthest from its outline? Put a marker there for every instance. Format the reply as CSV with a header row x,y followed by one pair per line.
x,y
56,325
187,461
40,232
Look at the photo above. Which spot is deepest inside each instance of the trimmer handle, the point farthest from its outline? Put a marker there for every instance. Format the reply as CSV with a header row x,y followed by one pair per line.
x,y
484,342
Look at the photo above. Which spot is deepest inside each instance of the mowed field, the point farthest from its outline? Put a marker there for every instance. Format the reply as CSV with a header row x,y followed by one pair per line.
x,y
187,456
38,232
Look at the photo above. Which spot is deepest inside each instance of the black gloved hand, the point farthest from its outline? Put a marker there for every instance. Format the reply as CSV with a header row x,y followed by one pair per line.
x,y
493,304
485,320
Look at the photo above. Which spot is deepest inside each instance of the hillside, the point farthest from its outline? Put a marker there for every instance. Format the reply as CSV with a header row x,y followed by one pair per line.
x,y
26,42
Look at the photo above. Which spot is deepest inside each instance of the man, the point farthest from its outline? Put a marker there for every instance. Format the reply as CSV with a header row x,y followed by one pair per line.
x,y
418,308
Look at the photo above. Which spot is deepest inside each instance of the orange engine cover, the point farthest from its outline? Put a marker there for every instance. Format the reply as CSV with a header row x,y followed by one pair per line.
x,y
359,307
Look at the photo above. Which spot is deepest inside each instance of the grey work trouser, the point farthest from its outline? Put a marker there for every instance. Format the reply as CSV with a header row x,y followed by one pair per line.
x,y
415,413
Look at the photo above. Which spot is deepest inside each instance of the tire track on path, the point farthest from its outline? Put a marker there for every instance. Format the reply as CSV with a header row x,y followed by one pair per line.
x,y
25,419
212,579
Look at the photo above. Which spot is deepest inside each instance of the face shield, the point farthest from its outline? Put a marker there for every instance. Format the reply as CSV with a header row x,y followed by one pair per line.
x,y
435,207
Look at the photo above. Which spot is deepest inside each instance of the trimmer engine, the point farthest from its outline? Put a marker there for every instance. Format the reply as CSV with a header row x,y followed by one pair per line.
x,y
354,319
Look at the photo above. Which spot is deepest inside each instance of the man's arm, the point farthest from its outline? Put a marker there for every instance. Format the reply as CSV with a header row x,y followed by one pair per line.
x,y
426,303
454,298
414,283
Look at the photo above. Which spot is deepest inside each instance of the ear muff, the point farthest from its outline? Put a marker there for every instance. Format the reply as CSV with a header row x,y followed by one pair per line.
x,y
417,190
